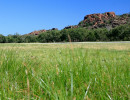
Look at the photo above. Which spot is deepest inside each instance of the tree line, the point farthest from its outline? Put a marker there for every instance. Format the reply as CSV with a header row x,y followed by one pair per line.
x,y
120,33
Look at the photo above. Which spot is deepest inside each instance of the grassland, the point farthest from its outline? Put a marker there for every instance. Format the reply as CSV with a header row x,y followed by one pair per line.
x,y
65,71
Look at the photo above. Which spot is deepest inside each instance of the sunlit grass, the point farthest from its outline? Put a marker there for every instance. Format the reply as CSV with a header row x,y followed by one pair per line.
x,y
64,71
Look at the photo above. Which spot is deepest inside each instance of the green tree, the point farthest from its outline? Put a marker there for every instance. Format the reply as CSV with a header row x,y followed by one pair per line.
x,y
120,33
9,39
2,39
29,38
64,35
101,34
91,36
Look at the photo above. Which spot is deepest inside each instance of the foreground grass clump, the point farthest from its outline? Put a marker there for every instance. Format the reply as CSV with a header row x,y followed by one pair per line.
x,y
64,71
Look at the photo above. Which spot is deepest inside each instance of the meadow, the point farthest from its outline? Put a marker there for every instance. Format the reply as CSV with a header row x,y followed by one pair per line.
x,y
89,71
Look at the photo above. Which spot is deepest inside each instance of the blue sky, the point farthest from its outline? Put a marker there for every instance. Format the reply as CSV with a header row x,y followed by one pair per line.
x,y
24,16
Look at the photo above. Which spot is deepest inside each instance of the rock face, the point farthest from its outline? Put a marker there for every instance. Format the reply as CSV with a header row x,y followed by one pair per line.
x,y
95,19
112,14
37,32
107,19
41,31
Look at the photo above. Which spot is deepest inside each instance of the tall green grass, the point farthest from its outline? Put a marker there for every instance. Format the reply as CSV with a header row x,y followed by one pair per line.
x,y
63,73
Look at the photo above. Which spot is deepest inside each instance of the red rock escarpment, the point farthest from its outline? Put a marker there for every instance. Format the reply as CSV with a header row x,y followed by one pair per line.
x,y
98,18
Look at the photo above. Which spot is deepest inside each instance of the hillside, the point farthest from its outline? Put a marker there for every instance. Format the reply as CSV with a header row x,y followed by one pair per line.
x,y
107,20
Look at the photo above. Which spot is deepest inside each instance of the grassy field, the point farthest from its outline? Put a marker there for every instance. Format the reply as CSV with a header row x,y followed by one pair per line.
x,y
65,71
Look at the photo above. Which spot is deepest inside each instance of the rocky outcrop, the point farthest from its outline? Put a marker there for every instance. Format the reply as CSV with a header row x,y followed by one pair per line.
x,y
95,19
70,27
37,32
107,19
41,31
52,29
110,14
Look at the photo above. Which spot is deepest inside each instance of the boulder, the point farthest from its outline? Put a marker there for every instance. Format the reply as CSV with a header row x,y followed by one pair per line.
x,y
110,14
70,27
